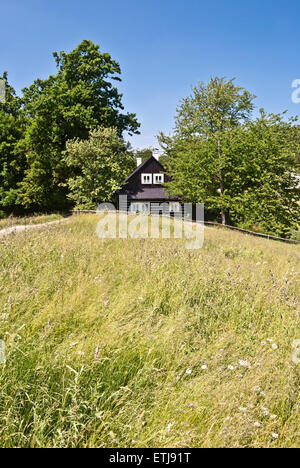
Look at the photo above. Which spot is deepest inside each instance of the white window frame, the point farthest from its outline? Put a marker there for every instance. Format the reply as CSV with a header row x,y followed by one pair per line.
x,y
146,179
161,176
174,207
140,207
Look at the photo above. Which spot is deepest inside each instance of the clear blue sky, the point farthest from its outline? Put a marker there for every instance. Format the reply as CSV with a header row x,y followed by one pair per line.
x,y
163,47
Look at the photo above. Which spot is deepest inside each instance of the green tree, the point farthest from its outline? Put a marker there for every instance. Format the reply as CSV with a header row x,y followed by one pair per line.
x,y
208,114
12,154
100,163
265,187
259,168
65,106
144,153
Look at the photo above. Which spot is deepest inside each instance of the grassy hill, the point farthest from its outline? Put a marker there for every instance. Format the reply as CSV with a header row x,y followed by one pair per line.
x,y
142,343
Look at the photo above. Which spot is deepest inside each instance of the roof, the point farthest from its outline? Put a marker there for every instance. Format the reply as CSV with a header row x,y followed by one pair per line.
x,y
135,190
141,167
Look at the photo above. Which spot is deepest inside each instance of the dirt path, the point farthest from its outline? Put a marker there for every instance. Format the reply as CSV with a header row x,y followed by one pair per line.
x,y
15,229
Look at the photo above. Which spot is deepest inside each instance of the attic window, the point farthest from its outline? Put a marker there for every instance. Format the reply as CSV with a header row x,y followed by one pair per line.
x,y
158,178
146,178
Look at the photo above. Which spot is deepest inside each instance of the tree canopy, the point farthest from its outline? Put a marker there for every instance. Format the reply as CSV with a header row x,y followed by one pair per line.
x,y
80,97
12,155
241,168
208,113
100,165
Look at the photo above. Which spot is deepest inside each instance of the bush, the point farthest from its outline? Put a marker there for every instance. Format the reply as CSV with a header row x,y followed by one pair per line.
x,y
295,234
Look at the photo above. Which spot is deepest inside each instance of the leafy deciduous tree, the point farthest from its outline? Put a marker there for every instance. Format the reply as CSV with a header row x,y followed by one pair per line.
x,y
209,113
68,105
12,155
100,163
258,173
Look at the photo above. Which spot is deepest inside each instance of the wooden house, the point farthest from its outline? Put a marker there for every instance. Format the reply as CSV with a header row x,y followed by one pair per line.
x,y
145,191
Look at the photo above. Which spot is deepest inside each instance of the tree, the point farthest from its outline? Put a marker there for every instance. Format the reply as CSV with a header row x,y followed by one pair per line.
x,y
265,183
144,153
12,155
100,163
208,114
65,106
259,167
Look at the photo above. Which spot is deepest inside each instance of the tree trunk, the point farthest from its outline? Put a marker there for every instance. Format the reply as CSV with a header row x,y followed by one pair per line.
x,y
223,214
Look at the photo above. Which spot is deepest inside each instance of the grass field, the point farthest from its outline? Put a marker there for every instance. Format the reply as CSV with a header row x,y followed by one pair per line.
x,y
22,221
143,343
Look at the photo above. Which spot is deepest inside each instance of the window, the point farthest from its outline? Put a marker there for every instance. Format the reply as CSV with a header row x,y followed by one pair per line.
x,y
158,178
146,178
175,207
139,207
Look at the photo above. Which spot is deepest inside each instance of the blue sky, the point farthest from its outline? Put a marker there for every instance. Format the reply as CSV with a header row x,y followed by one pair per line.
x,y
164,47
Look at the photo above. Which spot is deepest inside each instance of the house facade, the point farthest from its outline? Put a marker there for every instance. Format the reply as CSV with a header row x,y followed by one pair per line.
x,y
145,191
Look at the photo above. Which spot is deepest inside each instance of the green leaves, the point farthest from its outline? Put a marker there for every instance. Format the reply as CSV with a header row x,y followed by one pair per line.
x,y
12,156
212,108
245,170
100,164
65,106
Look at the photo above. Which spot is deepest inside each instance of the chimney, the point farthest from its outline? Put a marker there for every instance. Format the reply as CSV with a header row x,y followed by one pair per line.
x,y
138,161
156,153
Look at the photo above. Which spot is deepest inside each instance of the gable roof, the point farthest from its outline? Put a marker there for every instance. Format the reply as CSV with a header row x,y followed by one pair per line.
x,y
141,166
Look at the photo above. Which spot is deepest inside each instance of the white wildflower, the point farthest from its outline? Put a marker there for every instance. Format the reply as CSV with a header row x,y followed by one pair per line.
x,y
188,371
170,426
4,317
256,424
269,340
204,367
244,363
231,367
273,416
274,435
274,346
265,411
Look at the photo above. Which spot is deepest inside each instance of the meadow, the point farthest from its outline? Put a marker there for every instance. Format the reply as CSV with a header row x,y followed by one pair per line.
x,y
28,220
144,343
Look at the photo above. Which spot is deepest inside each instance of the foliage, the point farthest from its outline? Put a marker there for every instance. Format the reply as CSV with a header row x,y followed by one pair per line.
x,y
265,187
12,155
213,108
295,234
208,114
65,106
100,163
143,153
245,171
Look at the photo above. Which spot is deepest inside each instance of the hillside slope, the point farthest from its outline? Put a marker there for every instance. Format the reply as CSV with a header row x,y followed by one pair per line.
x,y
142,343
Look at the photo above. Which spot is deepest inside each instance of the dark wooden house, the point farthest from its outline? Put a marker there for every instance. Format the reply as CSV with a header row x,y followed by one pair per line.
x,y
145,191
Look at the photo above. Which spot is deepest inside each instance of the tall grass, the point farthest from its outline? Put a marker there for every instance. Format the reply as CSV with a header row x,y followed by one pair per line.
x,y
142,343
27,220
